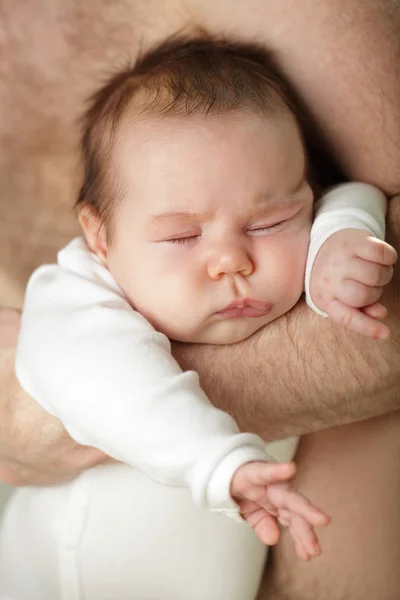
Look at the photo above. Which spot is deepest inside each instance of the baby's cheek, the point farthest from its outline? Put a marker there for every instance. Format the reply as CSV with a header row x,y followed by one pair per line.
x,y
175,315
295,266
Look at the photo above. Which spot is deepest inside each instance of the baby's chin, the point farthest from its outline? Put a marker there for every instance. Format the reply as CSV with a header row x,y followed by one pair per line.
x,y
226,331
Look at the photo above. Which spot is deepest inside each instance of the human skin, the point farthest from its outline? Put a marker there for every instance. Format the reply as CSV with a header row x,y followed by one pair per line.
x,y
345,69
185,228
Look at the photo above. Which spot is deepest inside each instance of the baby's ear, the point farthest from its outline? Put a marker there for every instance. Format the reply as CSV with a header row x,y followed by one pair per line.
x,y
95,231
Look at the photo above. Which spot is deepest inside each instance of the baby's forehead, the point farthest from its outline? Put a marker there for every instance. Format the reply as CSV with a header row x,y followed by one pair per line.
x,y
175,163
137,123
143,138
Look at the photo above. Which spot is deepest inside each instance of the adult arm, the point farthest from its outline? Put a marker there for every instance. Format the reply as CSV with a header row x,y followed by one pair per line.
x,y
301,373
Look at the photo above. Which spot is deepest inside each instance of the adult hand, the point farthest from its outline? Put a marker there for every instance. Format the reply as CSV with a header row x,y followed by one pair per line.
x,y
35,449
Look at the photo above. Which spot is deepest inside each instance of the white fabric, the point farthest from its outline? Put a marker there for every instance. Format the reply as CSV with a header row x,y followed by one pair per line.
x,y
89,359
115,534
346,206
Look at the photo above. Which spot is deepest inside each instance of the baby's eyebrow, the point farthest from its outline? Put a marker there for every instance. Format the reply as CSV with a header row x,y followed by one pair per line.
x,y
176,217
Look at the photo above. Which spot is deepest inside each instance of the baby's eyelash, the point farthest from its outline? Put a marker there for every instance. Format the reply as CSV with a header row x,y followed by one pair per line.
x,y
267,227
183,240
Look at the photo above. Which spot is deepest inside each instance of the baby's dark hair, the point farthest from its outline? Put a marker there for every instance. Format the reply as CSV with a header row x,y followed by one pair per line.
x,y
179,78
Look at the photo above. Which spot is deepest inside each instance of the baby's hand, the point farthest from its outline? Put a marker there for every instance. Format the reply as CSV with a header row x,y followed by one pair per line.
x,y
347,281
264,496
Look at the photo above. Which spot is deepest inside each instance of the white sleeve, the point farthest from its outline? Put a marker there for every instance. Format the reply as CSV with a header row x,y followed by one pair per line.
x,y
346,206
96,364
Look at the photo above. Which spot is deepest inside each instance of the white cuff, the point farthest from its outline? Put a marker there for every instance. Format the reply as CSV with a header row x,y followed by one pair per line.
x,y
218,489
346,206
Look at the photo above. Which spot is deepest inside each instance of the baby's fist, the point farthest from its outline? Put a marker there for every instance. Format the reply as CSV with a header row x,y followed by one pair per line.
x,y
348,277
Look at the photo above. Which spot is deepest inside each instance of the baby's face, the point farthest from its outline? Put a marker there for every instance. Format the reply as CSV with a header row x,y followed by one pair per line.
x,y
211,236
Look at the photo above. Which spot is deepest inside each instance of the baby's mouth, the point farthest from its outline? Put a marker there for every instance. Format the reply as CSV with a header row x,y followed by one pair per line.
x,y
245,307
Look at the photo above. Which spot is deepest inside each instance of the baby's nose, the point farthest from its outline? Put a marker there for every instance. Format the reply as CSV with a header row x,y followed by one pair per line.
x,y
229,260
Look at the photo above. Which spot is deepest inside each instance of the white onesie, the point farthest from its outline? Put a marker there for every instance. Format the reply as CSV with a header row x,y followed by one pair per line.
x,y
92,361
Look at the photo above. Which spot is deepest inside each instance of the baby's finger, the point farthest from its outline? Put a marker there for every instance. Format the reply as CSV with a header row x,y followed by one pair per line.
x,y
285,519
369,273
356,320
356,294
300,548
302,507
377,251
251,479
305,540
264,526
375,311
301,530
304,537
265,473
288,499
285,514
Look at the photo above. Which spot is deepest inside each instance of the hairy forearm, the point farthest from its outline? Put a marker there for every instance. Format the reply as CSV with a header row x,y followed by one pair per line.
x,y
302,373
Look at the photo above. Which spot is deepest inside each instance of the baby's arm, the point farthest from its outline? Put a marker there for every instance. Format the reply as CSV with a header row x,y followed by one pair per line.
x,y
89,359
349,262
